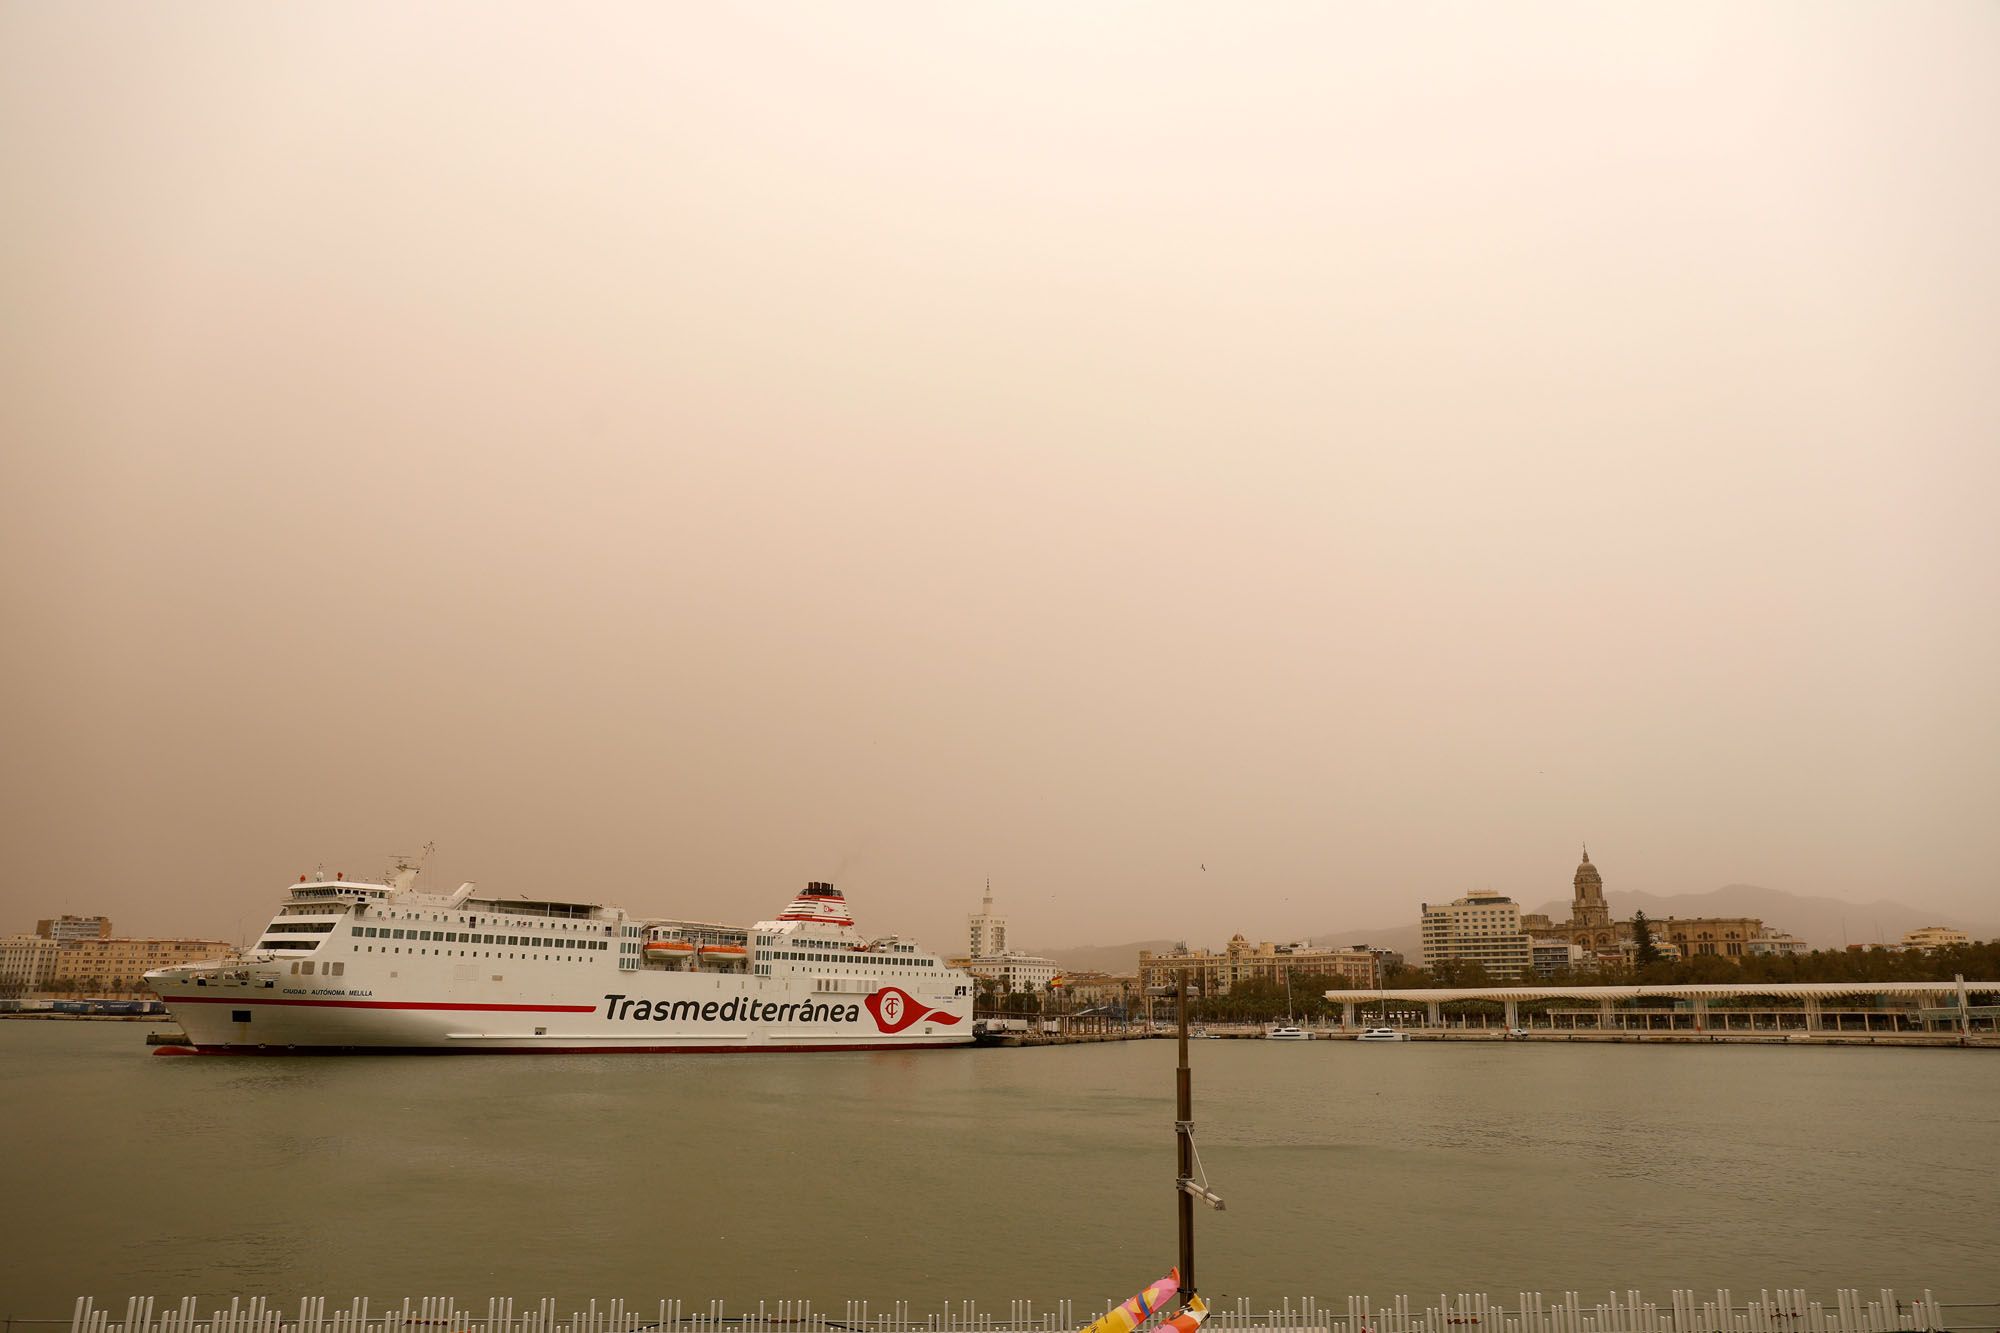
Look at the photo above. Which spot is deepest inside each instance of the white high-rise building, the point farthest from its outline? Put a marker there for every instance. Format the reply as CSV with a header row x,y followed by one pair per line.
x,y
990,958
1483,927
988,933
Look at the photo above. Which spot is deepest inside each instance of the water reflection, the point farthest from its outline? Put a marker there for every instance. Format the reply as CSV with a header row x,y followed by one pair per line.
x,y
986,1175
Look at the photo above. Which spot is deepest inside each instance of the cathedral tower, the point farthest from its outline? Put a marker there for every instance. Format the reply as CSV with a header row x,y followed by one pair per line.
x,y
1588,910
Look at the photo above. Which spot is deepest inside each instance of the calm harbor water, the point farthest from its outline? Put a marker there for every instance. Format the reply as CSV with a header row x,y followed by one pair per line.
x,y
988,1175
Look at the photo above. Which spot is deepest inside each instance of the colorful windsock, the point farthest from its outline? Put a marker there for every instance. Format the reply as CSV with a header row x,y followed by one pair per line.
x,y
1189,1319
1140,1308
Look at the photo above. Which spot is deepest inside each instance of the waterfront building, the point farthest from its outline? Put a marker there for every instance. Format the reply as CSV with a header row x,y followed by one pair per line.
x,y
1553,957
1092,990
1205,969
1016,972
1709,936
1240,961
1935,937
79,953
987,932
1483,927
67,928
27,964
1386,960
119,966
1776,942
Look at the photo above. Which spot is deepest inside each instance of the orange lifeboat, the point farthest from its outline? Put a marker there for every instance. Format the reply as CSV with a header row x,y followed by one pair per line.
x,y
661,951
724,953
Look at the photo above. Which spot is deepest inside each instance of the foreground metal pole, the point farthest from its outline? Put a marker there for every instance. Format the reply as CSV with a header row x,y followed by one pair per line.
x,y
1184,1140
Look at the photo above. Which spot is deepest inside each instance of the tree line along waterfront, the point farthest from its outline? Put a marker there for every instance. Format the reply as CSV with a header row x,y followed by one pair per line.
x,y
1649,967
1269,999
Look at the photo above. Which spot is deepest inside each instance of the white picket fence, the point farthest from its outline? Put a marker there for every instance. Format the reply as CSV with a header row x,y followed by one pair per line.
x,y
1782,1311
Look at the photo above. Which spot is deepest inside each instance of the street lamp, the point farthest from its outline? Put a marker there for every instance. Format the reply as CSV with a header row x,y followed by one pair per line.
x,y
1187,1190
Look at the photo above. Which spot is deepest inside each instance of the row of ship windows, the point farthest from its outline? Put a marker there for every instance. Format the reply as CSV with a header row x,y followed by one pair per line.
x,y
462,937
474,920
847,958
473,953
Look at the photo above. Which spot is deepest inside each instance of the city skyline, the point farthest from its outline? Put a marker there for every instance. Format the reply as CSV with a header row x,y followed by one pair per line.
x,y
949,930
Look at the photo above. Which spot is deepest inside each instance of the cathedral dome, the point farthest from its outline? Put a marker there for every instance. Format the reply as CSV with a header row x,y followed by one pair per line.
x,y
1589,884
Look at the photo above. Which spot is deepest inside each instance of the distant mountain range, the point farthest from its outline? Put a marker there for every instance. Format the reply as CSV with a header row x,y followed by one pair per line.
x,y
1823,923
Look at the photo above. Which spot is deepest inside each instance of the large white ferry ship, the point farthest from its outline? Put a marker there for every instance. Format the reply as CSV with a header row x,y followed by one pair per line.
x,y
354,966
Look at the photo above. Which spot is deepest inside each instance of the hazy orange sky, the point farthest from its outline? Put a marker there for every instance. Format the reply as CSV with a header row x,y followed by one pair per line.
x,y
674,452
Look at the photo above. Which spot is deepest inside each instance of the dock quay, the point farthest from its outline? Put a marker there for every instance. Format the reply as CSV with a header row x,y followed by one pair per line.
x,y
1783,1310
1723,1037
1639,1036
1065,1038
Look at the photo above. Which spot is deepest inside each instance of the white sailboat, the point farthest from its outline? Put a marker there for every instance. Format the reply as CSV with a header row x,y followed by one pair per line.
x,y
1290,1031
1383,1033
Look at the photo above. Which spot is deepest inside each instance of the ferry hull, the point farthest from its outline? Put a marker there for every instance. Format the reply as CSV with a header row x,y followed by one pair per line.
x,y
249,1009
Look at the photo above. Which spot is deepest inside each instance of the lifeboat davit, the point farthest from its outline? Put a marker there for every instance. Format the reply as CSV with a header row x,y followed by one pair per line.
x,y
724,953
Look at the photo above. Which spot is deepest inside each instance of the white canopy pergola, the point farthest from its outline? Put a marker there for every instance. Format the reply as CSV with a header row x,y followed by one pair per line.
x,y
1797,990
1952,999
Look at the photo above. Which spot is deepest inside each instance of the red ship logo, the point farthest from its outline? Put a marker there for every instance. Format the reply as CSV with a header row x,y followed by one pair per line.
x,y
895,1009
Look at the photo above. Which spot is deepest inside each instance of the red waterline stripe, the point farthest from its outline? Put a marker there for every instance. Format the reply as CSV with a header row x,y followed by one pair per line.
x,y
553,1050
386,1004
